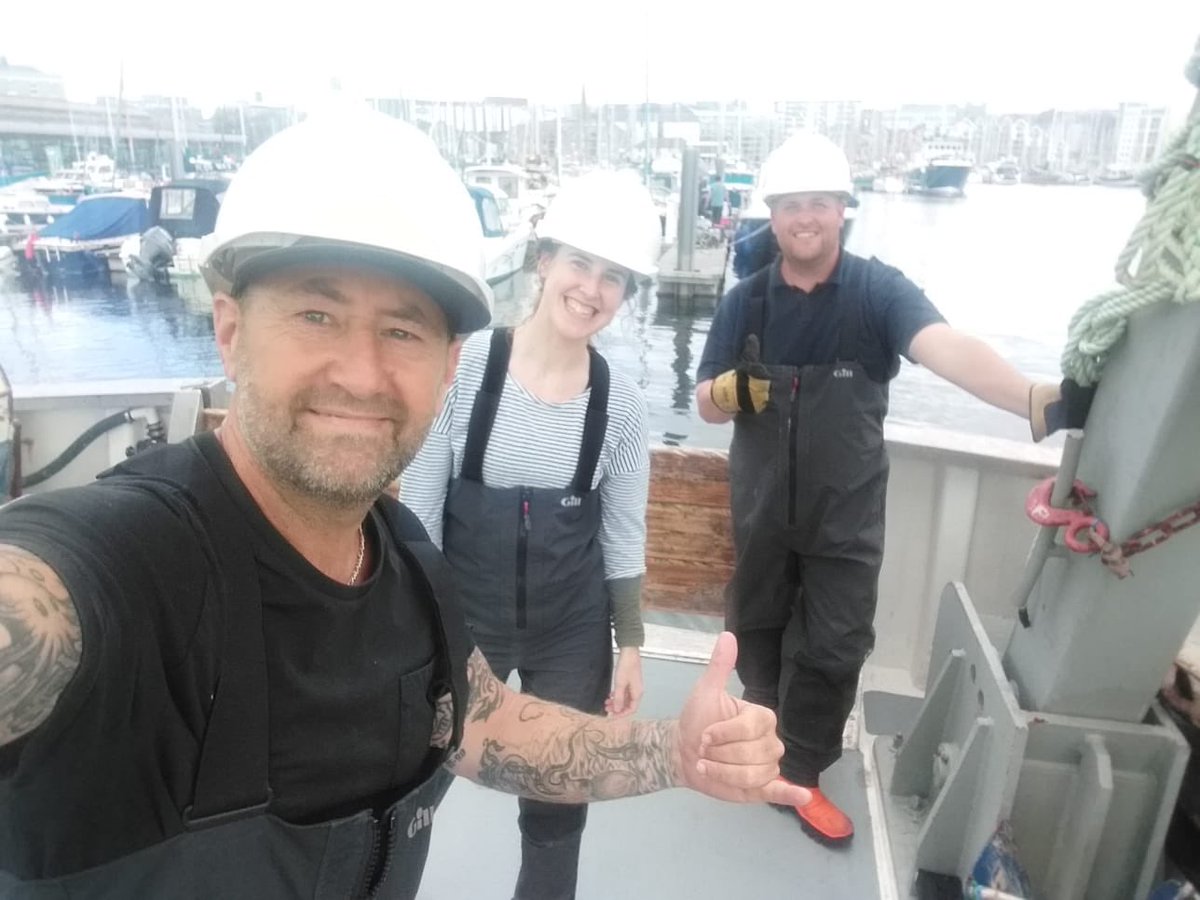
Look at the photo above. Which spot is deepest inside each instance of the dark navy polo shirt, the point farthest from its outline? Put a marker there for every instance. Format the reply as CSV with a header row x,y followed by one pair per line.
x,y
802,327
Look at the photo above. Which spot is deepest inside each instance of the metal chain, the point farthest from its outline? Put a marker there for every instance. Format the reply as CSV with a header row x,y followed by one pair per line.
x,y
1116,556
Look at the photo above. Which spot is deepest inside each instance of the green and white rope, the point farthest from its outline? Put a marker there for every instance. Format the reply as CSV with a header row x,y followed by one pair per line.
x,y
1161,259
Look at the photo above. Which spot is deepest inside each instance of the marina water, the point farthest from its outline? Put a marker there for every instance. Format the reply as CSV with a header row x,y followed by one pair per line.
x,y
1009,264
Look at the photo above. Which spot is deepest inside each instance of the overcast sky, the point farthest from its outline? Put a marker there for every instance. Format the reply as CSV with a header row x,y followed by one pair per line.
x,y
1014,55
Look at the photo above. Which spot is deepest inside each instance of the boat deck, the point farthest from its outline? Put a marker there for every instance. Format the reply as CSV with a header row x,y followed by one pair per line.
x,y
675,844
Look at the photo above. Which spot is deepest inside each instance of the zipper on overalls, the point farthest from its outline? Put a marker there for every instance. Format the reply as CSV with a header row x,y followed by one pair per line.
x,y
522,556
793,445
379,860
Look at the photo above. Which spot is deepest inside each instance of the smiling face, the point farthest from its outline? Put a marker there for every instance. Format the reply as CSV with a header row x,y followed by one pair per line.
x,y
580,293
808,227
339,375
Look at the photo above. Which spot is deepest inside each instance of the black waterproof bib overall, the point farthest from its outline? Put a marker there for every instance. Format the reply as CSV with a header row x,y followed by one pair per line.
x,y
529,569
229,846
808,482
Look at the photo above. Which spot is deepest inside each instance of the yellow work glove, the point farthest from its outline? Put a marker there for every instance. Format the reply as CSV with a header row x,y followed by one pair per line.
x,y
745,388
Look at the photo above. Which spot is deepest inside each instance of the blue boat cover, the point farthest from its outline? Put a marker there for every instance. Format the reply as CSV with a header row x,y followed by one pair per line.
x,y
100,217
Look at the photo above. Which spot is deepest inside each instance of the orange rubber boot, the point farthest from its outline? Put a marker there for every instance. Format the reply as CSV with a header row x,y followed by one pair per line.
x,y
822,820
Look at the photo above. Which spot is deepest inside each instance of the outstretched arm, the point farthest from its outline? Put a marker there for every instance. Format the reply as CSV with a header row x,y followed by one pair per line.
x,y
40,642
521,745
972,365
719,746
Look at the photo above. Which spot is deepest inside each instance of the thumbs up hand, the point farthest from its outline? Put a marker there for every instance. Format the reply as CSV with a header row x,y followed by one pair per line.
x,y
727,747
745,388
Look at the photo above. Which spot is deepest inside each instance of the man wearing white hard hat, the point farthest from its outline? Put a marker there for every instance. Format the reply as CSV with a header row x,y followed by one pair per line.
x,y
799,357
230,667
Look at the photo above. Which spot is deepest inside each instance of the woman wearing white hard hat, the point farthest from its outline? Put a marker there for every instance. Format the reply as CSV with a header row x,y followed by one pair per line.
x,y
535,478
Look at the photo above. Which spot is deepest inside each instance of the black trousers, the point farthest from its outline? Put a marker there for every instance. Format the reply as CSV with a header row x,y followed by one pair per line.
x,y
808,670
576,671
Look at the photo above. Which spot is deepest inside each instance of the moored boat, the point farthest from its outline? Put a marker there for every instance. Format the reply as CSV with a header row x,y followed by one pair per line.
x,y
181,213
505,238
524,201
942,167
77,246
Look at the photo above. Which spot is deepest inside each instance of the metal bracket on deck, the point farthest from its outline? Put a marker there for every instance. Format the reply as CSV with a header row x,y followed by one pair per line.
x,y
955,771
1088,800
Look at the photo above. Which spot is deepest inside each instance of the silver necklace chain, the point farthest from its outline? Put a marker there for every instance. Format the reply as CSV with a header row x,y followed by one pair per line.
x,y
362,552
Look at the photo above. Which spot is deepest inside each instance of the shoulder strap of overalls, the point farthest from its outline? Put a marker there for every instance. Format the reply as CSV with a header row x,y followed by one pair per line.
x,y
595,423
432,574
487,401
851,295
755,310
232,775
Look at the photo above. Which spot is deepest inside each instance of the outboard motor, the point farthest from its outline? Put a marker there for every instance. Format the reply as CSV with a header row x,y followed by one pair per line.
x,y
155,255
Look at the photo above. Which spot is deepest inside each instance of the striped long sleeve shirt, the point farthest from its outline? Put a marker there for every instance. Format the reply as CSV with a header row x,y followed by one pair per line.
x,y
536,444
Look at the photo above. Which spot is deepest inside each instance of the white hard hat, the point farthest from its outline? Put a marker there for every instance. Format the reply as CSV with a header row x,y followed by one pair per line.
x,y
610,215
806,163
402,210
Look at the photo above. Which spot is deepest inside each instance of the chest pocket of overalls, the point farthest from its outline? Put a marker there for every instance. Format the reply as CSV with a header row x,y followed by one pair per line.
x,y
419,691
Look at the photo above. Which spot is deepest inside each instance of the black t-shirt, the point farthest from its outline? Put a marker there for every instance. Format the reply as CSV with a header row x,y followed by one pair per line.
x,y
802,328
110,770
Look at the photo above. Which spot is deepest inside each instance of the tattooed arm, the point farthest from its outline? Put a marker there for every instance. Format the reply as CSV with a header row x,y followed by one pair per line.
x,y
40,642
720,746
519,744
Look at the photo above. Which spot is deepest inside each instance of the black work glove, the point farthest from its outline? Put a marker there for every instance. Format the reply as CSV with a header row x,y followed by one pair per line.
x,y
1053,407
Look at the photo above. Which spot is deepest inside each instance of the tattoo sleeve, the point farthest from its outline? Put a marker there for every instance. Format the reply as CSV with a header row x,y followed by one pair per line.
x,y
40,642
486,691
443,722
522,745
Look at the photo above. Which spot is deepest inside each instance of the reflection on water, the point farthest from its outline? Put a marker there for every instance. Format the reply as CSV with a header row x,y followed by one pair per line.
x,y
1008,263
57,334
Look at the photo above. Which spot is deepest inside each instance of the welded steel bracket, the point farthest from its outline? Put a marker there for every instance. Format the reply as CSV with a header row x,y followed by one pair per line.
x,y
1088,800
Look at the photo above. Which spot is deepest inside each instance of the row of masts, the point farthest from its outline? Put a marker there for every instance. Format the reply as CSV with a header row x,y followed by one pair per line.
x,y
508,130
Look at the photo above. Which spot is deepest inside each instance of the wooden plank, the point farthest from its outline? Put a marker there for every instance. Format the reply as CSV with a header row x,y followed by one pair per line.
x,y
695,494
676,573
689,464
681,532
680,569
692,477
707,599
689,545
